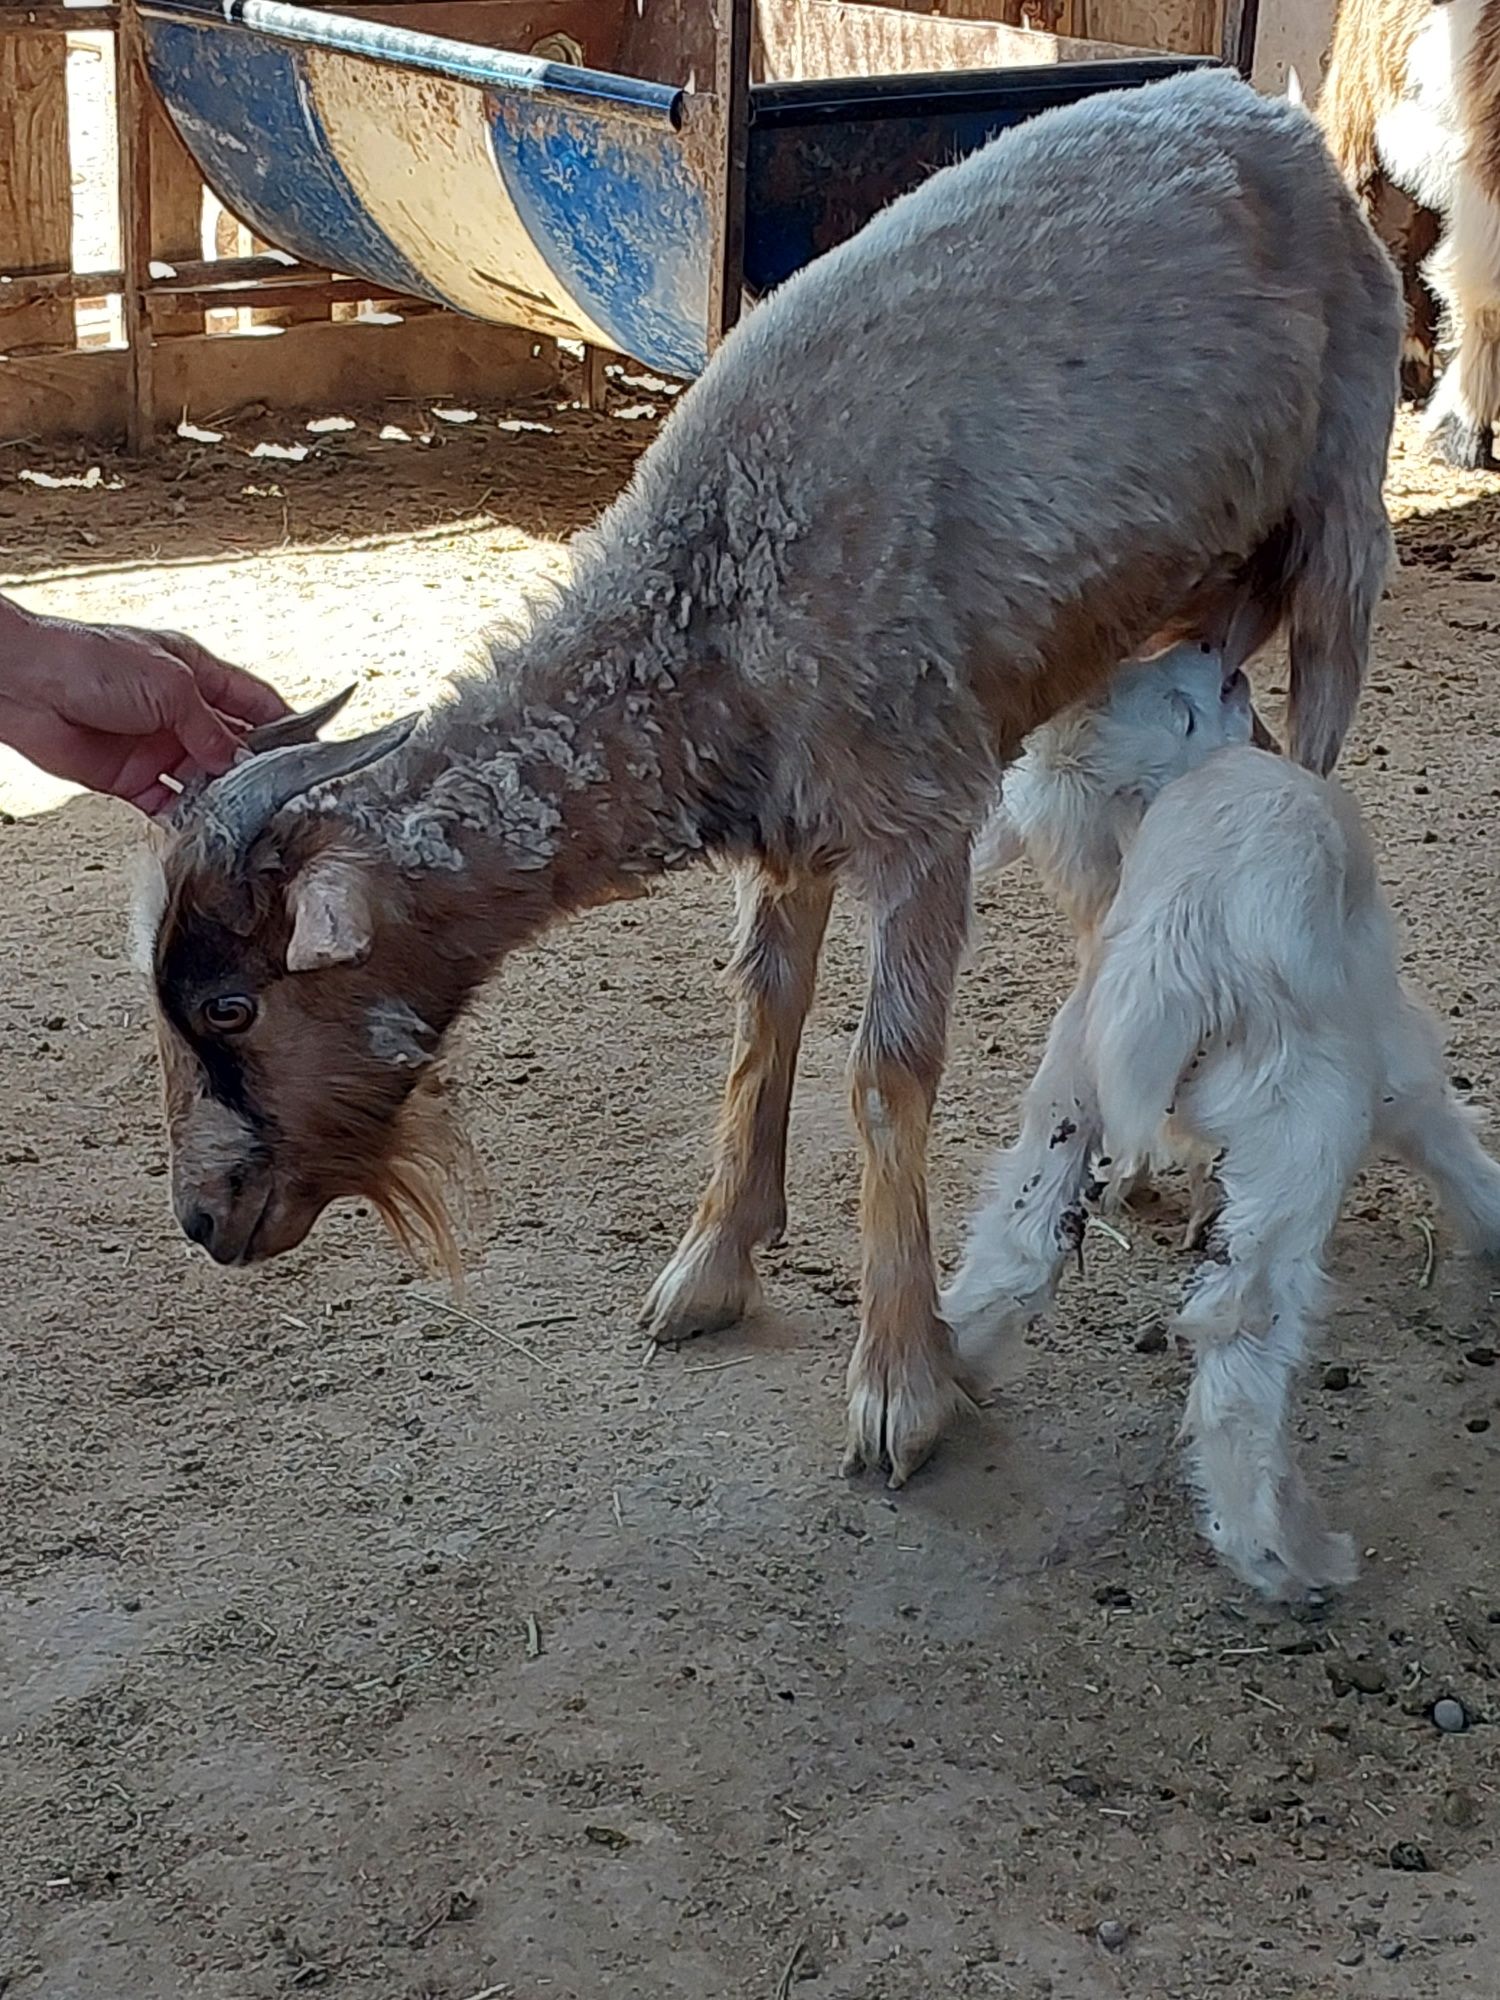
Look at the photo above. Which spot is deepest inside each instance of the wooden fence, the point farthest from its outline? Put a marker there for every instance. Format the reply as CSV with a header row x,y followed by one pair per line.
x,y
128,296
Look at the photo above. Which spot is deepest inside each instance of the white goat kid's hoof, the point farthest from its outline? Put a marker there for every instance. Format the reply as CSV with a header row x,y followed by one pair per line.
x,y
708,1284
1285,1551
901,1401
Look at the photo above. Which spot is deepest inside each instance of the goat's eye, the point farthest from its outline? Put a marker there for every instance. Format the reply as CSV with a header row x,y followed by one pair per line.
x,y
229,1014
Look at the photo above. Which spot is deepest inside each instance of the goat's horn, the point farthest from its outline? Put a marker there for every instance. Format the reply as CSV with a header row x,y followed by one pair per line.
x,y
297,728
244,799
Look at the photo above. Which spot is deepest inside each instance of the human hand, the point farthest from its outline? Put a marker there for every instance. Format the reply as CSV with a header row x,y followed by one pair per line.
x,y
115,708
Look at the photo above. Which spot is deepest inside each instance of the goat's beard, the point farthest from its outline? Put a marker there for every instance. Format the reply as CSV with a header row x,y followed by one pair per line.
x,y
429,1162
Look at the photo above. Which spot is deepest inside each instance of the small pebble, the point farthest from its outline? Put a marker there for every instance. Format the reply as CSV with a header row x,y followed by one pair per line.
x,y
1112,1934
1390,1947
1336,1376
1114,1596
1481,1357
1478,1425
1450,1716
1081,1786
1151,1340
1364,1676
1409,1858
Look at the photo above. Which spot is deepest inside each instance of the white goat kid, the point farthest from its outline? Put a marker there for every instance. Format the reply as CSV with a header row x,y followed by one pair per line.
x,y
1240,992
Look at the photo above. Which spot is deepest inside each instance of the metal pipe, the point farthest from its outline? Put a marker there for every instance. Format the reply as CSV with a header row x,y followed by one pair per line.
x,y
626,97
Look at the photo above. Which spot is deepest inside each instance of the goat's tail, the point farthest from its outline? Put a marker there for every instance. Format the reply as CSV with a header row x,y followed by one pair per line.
x,y
1342,546
1338,585
1147,1020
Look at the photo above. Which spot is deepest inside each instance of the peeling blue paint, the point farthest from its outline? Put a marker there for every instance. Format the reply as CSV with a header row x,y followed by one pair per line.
x,y
619,218
242,106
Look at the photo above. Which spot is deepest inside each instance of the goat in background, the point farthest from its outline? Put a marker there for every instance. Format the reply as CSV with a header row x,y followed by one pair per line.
x,y
1411,109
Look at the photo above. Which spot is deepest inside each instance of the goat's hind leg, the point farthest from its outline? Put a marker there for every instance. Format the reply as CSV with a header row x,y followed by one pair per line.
x,y
1423,1123
1031,1217
1250,1319
903,1381
710,1281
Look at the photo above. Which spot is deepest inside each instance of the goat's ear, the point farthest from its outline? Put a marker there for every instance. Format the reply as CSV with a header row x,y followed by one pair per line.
x,y
332,920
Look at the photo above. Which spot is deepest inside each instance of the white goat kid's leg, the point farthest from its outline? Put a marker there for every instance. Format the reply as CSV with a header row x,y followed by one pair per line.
x,y
1030,1218
710,1282
1284,1175
1423,1123
903,1377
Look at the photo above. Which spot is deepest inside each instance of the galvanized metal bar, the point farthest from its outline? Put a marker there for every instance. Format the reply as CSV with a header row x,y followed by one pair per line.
x,y
604,95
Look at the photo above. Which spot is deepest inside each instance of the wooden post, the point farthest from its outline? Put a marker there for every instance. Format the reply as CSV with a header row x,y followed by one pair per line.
x,y
595,381
726,276
133,102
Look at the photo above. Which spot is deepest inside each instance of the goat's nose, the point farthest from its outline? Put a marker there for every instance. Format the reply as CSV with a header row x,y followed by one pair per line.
x,y
198,1225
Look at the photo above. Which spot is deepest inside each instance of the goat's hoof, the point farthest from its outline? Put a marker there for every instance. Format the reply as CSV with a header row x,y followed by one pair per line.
x,y
901,1401
1304,1562
1457,441
707,1286
982,1332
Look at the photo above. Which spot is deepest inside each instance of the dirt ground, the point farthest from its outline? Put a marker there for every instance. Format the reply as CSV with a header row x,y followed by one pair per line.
x,y
351,1645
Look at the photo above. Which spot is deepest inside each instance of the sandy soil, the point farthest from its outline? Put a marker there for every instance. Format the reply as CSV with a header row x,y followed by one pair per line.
x,y
350,1645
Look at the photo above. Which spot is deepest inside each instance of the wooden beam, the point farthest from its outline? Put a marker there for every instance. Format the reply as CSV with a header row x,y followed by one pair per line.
x,y
726,277
316,369
132,123
57,20
294,300
36,199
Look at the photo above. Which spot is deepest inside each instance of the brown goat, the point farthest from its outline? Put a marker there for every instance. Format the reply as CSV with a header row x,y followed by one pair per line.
x,y
1411,110
1129,370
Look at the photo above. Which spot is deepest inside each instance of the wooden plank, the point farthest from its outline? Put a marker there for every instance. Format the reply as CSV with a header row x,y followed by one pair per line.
x,y
308,368
176,212
36,198
1049,17
303,304
1183,27
52,20
669,41
802,39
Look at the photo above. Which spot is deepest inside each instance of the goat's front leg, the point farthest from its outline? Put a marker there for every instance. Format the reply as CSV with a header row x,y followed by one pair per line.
x,y
710,1282
1031,1218
903,1376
